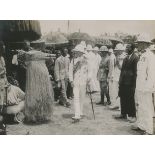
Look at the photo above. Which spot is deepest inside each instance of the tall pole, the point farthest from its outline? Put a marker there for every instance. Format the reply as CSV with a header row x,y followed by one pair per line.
x,y
68,27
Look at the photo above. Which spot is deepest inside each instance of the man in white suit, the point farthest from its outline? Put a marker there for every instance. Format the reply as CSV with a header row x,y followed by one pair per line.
x,y
145,86
78,76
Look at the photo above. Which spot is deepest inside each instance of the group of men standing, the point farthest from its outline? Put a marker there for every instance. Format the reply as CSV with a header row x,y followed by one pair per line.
x,y
124,76
137,85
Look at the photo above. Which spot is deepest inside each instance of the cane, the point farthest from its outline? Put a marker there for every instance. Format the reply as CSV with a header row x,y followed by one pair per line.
x,y
6,98
91,99
154,113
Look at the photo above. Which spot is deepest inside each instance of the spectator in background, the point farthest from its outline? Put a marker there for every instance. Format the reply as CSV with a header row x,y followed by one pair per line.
x,y
111,65
120,55
61,70
3,79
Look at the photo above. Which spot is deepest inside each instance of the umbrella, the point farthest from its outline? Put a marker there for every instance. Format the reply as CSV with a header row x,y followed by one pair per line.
x,y
101,41
19,30
40,44
77,37
55,38
113,39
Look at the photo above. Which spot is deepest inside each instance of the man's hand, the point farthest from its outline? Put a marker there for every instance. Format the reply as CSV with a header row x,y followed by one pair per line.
x,y
72,84
58,84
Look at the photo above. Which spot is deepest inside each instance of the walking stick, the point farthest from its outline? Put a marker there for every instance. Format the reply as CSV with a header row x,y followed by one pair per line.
x,y
154,113
91,100
6,98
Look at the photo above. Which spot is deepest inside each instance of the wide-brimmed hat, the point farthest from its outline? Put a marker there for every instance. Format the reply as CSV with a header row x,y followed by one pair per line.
x,y
143,39
110,50
96,49
83,43
89,47
152,47
79,48
103,49
119,47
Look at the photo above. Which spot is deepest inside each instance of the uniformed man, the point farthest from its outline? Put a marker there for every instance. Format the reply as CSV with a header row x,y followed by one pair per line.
x,y
145,86
103,75
78,76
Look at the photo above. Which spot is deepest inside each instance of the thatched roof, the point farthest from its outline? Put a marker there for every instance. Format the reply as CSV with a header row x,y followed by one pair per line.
x,y
19,30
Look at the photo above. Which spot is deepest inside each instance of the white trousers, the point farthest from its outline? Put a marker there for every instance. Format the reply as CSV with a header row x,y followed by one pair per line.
x,y
113,93
79,97
145,111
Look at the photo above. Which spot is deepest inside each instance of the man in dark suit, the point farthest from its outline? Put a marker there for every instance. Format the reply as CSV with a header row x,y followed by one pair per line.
x,y
127,85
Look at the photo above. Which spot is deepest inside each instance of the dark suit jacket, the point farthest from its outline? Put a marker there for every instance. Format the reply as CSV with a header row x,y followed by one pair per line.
x,y
129,71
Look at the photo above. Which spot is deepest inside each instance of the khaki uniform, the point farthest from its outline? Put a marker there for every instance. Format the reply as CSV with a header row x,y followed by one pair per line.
x,y
102,77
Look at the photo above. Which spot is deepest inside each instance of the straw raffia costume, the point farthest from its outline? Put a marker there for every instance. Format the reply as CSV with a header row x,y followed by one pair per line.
x,y
39,91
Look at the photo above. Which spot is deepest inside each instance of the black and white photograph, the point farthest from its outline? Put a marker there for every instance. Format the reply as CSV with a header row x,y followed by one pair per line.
x,y
77,77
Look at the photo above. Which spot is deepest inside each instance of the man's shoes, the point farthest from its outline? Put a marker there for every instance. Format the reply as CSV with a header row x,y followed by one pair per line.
x,y
113,107
101,103
61,103
135,127
76,120
120,117
132,119
67,104
108,103
83,116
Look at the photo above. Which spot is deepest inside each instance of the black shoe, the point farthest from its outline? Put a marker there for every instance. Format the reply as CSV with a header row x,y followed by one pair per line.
x,y
108,103
75,120
67,105
100,103
61,103
120,117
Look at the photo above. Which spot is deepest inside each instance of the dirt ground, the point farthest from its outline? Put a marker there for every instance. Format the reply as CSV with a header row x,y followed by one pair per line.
x,y
62,124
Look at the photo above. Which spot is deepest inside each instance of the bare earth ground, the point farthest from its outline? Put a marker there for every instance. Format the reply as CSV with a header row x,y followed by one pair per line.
x,y
62,124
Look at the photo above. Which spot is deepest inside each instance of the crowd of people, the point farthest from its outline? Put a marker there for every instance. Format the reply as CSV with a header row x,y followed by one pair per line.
x,y
124,77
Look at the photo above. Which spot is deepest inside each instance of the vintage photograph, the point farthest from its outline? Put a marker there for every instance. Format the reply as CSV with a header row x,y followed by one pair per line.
x,y
77,77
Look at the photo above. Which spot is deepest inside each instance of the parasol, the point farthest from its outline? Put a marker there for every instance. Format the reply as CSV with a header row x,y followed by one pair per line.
x,y
77,37
101,41
39,44
55,38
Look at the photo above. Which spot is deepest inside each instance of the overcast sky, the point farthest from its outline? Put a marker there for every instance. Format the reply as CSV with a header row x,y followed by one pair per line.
x,y
93,27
